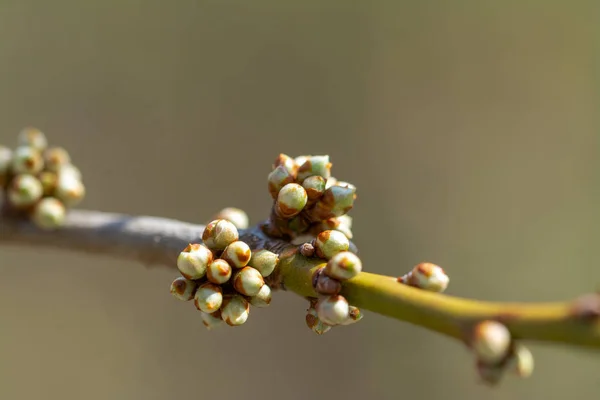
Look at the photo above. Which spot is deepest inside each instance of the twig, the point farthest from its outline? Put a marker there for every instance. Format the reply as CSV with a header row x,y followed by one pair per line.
x,y
158,241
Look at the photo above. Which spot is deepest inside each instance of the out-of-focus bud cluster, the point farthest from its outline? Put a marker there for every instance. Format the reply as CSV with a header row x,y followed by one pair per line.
x,y
307,199
39,181
426,276
331,308
222,275
496,353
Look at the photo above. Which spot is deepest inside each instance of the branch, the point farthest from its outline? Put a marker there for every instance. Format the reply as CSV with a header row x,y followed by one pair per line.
x,y
158,241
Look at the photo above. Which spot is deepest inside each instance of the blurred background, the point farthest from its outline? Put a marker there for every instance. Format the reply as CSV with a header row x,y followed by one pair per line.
x,y
471,130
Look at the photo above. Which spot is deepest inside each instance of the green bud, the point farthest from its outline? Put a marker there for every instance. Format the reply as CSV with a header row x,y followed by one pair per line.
x,y
49,182
235,310
343,266
234,215
277,179
219,234
237,254
55,157
183,289
291,200
193,261
262,298
314,186
491,341
218,272
69,190
315,165
32,137
264,261
27,160
287,162
24,191
333,310
211,321
248,281
315,324
49,213
523,361
208,297
329,243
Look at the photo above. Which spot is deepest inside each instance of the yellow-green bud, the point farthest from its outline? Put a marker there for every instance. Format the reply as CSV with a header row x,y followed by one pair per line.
x,y
55,157
69,189
49,182
262,298
193,261
235,310
248,281
278,178
49,213
208,297
523,361
32,137
24,191
344,265
183,289
219,234
219,271
291,200
329,243
264,261
27,160
237,254
315,165
314,186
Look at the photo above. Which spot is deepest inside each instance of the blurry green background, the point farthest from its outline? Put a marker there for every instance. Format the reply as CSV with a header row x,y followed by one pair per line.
x,y
471,130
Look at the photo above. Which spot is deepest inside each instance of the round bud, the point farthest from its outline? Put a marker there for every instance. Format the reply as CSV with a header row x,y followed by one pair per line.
x,y
235,310
193,261
49,213
248,281
333,310
523,361
24,191
183,289
211,321
287,162
315,165
314,186
315,324
330,243
262,298
277,179
69,169
344,265
27,160
55,157
219,271
237,254
427,276
208,297
264,261
69,189
354,315
49,182
219,234
491,341
32,137
234,215
291,200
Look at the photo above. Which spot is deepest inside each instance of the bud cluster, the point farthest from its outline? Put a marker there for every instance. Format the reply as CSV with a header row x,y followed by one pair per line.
x,y
39,181
496,352
307,199
222,275
426,276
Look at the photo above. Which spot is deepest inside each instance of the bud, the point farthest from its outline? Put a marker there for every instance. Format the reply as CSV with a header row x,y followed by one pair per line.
x,y
263,298
69,169
49,182
301,160
315,324
24,191
333,310
323,284
329,243
291,200
211,321
219,271
344,265
55,157
277,179
335,202
193,261
523,361
426,276
208,297
234,215
315,165
330,182
235,310
237,254
32,137
248,281
219,234
314,186
491,341
264,261
354,315
27,160
183,289
288,163
69,190
49,213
